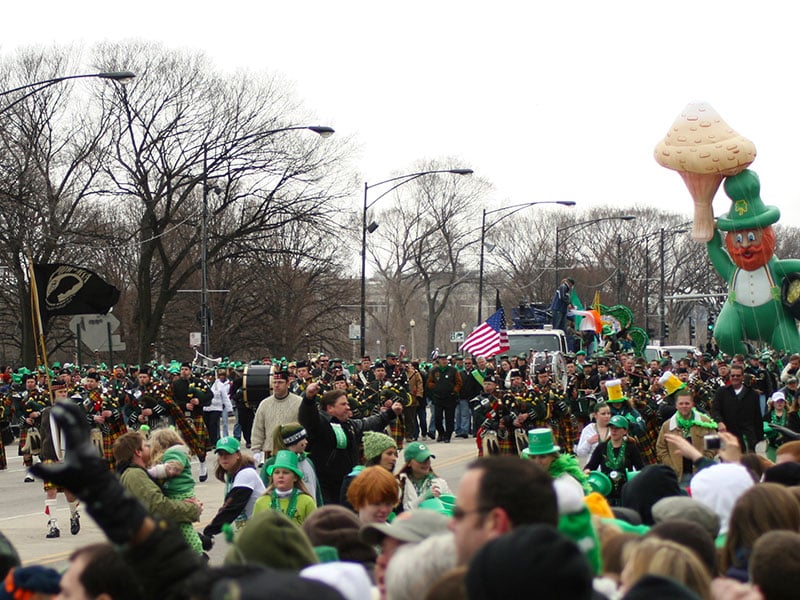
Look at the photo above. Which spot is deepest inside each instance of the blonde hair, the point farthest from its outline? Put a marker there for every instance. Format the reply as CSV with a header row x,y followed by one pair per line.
x,y
654,556
298,483
162,440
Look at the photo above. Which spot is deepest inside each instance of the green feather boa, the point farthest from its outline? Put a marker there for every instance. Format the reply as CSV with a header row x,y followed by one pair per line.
x,y
566,463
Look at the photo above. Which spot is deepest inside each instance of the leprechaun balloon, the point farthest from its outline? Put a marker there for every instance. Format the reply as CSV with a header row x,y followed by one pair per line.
x,y
761,304
754,309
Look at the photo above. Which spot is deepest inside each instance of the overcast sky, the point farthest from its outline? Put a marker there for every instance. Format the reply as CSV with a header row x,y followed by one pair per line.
x,y
548,101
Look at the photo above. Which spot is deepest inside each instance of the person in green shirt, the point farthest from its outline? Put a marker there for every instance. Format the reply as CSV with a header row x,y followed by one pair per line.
x,y
171,467
286,492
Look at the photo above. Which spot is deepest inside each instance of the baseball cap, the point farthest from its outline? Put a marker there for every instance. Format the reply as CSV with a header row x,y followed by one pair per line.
x,y
417,451
619,421
418,525
227,444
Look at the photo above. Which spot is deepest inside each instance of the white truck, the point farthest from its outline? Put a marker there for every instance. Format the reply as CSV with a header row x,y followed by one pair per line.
x,y
543,346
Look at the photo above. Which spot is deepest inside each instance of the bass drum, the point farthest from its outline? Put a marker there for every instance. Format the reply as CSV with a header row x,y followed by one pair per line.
x,y
256,384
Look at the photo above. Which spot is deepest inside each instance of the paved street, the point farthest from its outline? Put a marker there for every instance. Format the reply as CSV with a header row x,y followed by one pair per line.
x,y
23,521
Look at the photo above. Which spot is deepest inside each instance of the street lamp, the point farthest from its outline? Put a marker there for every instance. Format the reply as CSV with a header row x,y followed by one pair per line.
x,y
38,86
412,323
398,181
484,228
662,309
582,225
647,239
205,325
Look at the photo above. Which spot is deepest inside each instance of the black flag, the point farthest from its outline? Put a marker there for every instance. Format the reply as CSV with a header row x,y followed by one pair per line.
x,y
69,290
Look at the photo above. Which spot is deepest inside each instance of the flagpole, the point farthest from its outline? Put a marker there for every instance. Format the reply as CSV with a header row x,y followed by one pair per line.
x,y
38,327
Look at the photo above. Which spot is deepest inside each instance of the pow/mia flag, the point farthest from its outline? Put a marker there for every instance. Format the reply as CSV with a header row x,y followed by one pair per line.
x,y
69,290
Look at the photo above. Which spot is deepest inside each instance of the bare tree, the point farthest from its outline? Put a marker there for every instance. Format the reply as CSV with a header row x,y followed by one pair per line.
x,y
428,241
182,127
51,151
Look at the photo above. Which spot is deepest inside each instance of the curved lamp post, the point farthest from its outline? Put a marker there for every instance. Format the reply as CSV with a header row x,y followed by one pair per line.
x,y
484,228
205,321
398,181
38,86
581,225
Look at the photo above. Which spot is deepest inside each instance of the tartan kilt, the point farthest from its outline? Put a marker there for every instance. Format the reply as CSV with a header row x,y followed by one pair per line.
x,y
116,429
397,430
201,429
23,437
490,444
47,484
187,430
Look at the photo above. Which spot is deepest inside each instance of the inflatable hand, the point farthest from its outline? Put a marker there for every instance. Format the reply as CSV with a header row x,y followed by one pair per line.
x,y
82,464
86,474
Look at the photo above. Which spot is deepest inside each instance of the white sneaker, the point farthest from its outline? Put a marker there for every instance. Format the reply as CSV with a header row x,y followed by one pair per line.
x,y
203,471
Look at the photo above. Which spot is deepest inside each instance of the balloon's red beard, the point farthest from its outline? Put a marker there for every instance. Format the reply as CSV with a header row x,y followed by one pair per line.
x,y
755,254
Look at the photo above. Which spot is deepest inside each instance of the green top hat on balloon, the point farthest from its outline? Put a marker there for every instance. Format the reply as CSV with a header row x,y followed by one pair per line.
x,y
747,209
285,459
540,442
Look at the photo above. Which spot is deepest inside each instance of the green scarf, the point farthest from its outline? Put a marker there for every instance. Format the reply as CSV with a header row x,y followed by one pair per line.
x,y
566,463
686,424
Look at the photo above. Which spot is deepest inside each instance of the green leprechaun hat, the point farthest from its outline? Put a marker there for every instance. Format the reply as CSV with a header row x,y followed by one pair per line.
x,y
747,209
540,441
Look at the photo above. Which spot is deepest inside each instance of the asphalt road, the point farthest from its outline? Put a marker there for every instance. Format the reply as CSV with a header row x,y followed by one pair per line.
x,y
22,518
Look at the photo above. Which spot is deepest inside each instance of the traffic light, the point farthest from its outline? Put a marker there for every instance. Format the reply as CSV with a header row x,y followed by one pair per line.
x,y
691,331
710,323
664,330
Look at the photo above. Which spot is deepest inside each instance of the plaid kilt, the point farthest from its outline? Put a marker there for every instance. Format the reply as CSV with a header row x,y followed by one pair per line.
x,y
23,437
116,429
397,430
489,443
186,428
48,485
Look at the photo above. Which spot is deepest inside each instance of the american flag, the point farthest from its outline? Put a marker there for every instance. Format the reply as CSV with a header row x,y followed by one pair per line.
x,y
490,338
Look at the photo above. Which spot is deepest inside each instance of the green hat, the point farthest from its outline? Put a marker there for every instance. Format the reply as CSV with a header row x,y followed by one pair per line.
x,y
285,459
540,441
747,211
227,444
417,451
619,421
288,547
376,443
600,483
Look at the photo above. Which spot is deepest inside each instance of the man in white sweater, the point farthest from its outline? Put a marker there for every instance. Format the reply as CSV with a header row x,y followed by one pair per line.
x,y
278,409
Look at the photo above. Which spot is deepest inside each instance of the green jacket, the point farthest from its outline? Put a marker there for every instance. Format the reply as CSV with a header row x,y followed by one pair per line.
x,y
136,480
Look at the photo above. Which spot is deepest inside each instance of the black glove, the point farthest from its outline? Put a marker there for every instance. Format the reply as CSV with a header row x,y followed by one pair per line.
x,y
86,475
207,541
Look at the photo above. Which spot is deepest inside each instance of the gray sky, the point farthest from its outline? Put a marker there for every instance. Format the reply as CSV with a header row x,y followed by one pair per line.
x,y
548,101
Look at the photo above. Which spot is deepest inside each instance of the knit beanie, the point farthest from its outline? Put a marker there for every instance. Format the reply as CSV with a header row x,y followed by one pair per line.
x,y
29,582
334,525
530,555
9,558
270,538
575,521
288,434
376,443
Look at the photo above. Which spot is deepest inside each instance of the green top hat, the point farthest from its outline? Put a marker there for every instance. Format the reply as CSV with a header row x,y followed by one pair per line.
x,y
747,211
600,483
540,441
285,459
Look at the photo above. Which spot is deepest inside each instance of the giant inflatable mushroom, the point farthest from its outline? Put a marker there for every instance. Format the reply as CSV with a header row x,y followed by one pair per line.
x,y
703,149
